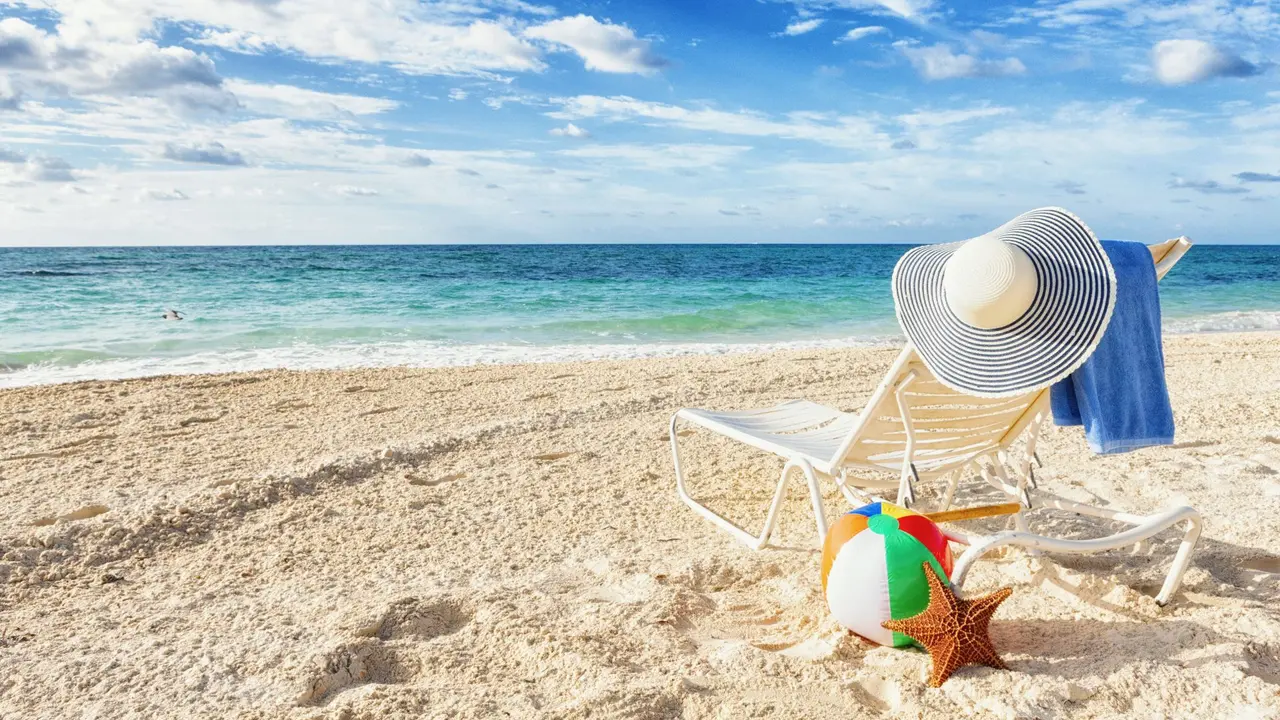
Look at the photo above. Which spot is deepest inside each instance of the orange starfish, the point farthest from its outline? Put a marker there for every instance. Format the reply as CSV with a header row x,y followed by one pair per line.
x,y
952,629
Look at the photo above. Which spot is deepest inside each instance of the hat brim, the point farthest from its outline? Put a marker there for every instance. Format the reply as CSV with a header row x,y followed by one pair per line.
x,y
1075,296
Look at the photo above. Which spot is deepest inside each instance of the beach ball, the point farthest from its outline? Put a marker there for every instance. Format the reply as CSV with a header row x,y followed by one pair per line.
x,y
872,568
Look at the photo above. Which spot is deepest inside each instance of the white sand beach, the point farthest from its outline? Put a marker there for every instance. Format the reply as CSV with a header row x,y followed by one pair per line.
x,y
505,541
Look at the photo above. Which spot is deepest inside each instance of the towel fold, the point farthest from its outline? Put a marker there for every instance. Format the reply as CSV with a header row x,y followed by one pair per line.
x,y
1119,394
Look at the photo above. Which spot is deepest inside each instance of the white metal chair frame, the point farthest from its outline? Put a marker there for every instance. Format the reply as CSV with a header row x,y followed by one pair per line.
x,y
928,414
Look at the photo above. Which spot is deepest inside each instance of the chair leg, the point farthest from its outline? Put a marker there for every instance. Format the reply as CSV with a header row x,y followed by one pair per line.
x,y
815,496
1144,528
752,541
953,482
850,494
1181,560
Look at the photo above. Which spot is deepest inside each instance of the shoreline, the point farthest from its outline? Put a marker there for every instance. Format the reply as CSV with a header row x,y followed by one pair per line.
x,y
468,541
515,355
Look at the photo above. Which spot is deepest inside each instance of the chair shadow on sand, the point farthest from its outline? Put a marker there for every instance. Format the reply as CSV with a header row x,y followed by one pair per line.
x,y
1223,575
1242,575
1074,648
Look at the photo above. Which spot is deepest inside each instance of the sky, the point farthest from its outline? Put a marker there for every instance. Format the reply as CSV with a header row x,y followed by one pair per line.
x,y
415,121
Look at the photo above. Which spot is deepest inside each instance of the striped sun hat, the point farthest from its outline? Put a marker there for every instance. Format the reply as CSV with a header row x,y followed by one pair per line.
x,y
1011,311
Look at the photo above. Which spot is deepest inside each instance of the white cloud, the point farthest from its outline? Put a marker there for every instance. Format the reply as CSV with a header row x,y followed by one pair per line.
x,y
303,104
910,9
446,38
49,169
417,159
26,169
659,157
210,153
355,191
1180,62
800,27
570,130
41,62
858,33
928,118
1205,17
602,46
824,128
146,67
457,94
23,46
939,62
10,98
1081,135
498,101
1208,187
1250,176
1267,116
906,8
136,126
419,38
170,195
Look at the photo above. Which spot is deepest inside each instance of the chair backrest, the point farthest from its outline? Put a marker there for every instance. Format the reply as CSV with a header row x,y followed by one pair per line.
x,y
950,427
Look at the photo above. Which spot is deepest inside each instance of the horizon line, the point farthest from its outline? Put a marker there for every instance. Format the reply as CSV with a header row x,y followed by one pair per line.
x,y
537,244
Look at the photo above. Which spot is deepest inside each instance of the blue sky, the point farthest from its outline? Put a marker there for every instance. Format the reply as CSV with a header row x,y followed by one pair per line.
x,y
323,121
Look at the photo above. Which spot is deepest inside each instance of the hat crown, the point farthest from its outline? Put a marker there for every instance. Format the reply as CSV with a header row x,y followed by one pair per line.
x,y
989,283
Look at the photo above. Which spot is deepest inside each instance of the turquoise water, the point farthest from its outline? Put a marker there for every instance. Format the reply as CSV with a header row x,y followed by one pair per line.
x,y
79,313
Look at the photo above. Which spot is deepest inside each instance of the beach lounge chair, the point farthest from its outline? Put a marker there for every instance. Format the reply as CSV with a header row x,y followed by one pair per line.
x,y
916,430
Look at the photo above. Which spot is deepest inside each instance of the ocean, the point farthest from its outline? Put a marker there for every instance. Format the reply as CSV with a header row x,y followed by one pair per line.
x,y
95,313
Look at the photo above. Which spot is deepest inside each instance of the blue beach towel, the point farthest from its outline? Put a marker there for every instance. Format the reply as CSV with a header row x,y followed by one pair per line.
x,y
1119,394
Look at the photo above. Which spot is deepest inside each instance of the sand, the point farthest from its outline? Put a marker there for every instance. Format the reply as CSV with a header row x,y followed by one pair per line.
x,y
505,541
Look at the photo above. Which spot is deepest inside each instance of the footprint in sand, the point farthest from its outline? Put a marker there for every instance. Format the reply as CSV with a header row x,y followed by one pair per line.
x,y
539,396
666,437
877,694
352,664
615,704
561,377
378,411
424,482
551,457
90,421
287,405
754,614
197,420
1263,664
631,590
63,450
85,441
1193,444
378,656
226,383
422,619
84,513
174,433
1266,564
